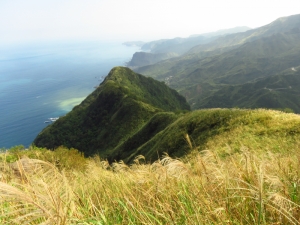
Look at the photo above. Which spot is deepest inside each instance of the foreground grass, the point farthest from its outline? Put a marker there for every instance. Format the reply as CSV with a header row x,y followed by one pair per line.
x,y
248,187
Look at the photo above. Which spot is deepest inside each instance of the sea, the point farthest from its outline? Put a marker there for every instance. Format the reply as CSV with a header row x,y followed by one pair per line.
x,y
39,81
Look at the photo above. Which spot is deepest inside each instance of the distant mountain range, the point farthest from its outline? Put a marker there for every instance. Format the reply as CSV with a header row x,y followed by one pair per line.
x,y
182,45
223,32
234,59
156,51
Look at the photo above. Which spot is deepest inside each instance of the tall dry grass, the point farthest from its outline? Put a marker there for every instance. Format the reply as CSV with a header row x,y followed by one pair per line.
x,y
243,188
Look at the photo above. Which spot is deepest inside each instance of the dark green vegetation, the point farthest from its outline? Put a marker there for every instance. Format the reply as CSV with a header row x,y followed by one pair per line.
x,y
230,70
280,92
120,107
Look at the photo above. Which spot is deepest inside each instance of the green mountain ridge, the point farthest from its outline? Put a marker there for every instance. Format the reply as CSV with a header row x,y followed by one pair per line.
x,y
116,110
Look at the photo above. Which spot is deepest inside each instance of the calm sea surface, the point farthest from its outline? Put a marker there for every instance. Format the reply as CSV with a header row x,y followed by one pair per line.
x,y
42,81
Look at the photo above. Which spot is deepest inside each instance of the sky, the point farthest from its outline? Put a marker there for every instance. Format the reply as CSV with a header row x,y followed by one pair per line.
x,y
131,20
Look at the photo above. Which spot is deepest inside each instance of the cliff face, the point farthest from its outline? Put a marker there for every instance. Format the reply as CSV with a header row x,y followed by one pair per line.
x,y
122,104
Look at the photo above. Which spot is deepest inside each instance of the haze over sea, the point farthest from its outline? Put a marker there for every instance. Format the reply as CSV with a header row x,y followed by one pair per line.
x,y
39,81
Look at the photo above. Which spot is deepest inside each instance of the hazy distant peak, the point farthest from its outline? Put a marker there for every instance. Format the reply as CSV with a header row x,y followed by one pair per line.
x,y
181,45
283,24
287,22
223,31
295,17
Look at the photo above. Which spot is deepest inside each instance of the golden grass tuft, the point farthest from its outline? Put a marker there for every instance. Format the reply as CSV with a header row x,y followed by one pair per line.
x,y
204,188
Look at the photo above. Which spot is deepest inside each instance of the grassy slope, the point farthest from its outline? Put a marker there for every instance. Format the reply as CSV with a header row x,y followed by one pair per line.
x,y
246,172
127,151
232,128
123,103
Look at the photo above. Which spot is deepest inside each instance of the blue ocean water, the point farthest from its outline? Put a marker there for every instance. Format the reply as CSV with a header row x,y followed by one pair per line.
x,y
47,80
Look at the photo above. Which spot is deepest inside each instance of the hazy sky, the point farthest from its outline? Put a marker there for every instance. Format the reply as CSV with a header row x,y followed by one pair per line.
x,y
126,20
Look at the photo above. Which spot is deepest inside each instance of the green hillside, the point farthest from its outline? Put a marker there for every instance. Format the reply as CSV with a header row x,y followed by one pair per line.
x,y
280,91
116,110
225,131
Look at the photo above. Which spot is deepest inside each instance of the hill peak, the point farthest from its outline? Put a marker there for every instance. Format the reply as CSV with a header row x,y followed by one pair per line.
x,y
108,117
